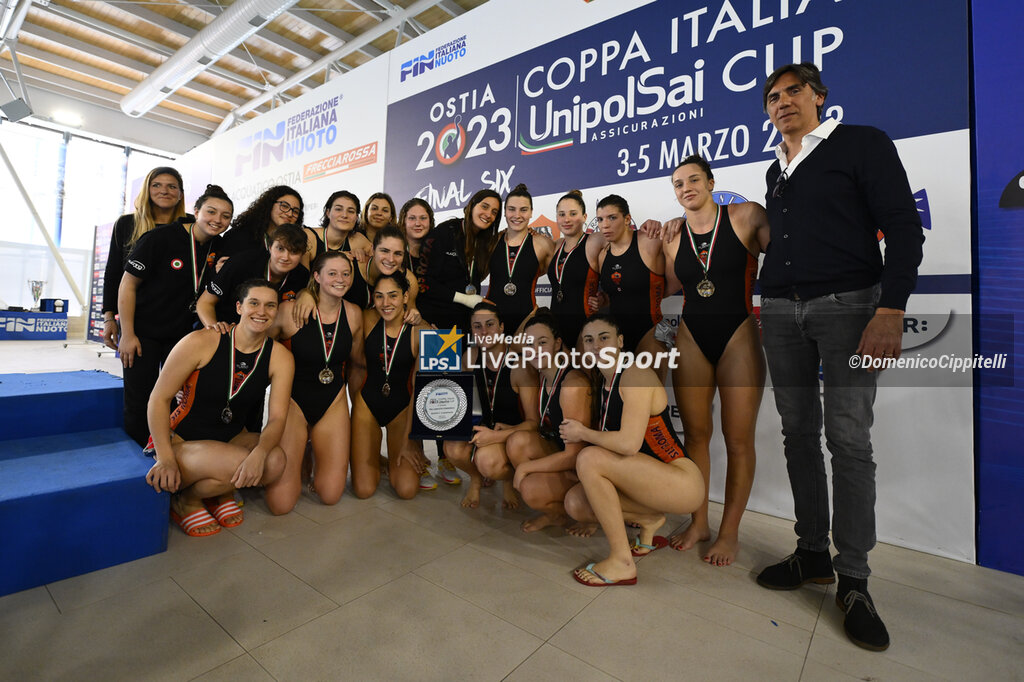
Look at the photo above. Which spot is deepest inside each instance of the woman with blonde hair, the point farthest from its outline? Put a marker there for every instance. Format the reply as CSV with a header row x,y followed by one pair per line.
x,y
161,200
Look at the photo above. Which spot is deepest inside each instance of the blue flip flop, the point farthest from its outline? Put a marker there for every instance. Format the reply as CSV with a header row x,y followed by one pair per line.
x,y
604,581
659,541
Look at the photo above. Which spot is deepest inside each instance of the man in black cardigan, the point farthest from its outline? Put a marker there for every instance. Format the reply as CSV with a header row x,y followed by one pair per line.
x,y
827,298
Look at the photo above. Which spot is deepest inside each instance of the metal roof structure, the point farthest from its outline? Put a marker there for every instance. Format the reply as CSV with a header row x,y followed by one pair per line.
x,y
198,66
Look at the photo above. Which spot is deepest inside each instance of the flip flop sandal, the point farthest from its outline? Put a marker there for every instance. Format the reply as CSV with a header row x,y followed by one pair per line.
x,y
640,549
589,568
197,519
227,514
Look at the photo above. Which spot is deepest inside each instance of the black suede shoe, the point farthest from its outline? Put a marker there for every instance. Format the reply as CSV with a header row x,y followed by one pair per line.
x,y
799,568
863,625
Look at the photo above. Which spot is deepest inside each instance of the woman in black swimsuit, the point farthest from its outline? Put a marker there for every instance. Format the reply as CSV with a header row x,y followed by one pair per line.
x,y
167,270
635,469
385,400
203,449
632,274
502,391
714,258
517,260
337,232
319,411
573,271
544,464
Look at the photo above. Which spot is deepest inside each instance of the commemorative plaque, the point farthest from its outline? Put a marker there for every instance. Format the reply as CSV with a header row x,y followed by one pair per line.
x,y
443,407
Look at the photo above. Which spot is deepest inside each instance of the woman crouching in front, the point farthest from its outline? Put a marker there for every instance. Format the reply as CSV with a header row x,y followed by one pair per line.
x,y
203,451
635,468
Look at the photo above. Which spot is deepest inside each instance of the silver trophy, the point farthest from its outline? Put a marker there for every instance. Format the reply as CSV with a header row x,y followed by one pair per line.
x,y
37,290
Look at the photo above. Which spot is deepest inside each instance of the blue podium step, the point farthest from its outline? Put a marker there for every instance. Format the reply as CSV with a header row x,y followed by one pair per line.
x,y
58,402
75,502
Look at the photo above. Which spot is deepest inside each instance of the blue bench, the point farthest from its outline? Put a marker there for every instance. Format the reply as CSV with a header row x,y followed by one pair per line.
x,y
75,499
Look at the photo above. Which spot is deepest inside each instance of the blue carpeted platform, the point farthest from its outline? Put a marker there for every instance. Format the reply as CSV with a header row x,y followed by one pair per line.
x,y
74,500
58,402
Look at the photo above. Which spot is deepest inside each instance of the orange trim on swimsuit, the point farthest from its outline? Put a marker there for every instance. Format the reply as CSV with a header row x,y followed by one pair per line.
x,y
660,440
657,293
188,397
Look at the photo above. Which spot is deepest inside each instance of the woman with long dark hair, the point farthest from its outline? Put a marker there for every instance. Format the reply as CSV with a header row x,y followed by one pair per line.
x,y
378,213
454,260
337,232
574,267
517,260
385,398
253,227
416,220
635,468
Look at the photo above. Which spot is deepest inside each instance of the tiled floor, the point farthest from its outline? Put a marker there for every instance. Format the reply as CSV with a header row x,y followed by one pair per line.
x,y
384,589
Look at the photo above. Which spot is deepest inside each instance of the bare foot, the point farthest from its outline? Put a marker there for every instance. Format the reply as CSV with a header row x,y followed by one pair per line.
x,y
690,537
509,497
581,530
537,523
472,498
723,551
609,569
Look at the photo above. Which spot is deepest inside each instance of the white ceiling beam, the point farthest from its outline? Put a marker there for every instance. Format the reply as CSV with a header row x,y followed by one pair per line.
x,y
310,17
72,89
116,58
362,39
156,47
451,8
124,81
382,11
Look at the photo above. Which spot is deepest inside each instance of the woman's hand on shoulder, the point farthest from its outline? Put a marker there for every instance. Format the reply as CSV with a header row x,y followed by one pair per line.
x,y
300,309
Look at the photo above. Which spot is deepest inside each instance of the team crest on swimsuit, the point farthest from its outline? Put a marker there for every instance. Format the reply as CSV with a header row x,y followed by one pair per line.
x,y
177,264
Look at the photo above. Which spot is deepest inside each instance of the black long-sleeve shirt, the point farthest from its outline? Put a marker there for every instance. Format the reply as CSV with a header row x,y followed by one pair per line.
x,y
441,273
825,224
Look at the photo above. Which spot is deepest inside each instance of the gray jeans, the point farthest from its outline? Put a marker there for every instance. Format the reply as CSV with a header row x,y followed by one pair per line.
x,y
798,336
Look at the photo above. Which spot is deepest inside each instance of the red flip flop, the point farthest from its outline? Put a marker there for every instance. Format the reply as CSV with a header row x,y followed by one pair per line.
x,y
640,549
227,514
197,519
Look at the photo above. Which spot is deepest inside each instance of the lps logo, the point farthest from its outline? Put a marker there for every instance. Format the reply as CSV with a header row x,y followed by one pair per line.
x,y
440,351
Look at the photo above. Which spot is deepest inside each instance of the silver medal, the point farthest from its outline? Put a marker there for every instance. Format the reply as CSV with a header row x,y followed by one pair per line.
x,y
559,296
226,415
510,289
385,389
326,376
470,289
